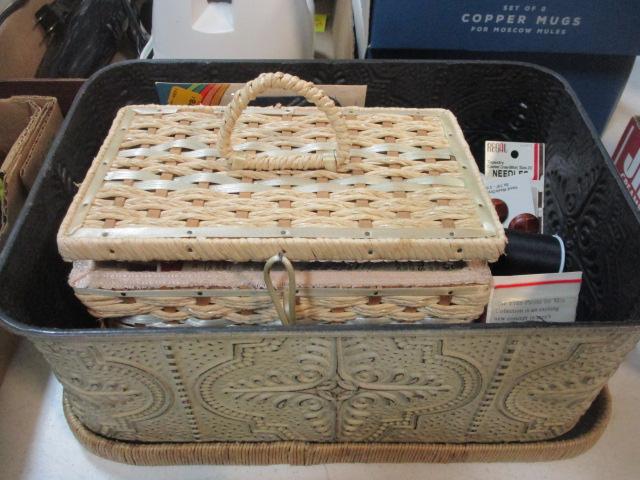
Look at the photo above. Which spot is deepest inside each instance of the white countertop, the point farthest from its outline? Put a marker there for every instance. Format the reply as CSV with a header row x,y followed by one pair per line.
x,y
35,442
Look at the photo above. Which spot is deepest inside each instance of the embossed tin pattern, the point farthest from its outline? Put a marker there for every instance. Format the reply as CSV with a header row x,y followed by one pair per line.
x,y
357,386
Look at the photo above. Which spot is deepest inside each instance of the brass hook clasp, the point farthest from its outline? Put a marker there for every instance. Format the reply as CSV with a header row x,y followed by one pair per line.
x,y
286,309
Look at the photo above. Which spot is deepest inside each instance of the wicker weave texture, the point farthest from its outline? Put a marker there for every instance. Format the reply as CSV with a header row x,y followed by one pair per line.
x,y
459,304
405,187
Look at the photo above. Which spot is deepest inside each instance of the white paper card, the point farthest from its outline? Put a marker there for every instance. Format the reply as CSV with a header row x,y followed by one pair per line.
x,y
515,192
506,160
545,297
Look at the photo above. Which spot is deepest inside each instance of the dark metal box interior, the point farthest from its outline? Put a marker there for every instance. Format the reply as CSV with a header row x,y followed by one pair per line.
x,y
585,201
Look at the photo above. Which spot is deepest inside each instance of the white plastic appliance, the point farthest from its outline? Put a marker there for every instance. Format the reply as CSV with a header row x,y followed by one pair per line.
x,y
228,29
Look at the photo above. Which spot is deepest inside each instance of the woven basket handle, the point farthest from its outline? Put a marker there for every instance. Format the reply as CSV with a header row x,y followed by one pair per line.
x,y
292,161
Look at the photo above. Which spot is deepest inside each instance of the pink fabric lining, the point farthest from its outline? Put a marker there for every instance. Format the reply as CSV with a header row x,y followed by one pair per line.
x,y
88,274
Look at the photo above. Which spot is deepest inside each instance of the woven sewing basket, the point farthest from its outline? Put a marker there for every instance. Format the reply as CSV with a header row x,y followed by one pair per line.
x,y
366,384
318,183
217,294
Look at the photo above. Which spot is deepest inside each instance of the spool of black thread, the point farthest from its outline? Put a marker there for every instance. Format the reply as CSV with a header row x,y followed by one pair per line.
x,y
530,253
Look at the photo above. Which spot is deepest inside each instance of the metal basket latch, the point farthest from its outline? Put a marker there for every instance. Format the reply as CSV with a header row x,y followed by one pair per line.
x,y
286,307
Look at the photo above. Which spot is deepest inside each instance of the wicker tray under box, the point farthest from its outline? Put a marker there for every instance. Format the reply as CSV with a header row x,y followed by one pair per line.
x,y
222,293
245,183
575,442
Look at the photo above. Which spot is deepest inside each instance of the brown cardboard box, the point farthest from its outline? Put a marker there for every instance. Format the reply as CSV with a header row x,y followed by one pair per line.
x,y
22,42
27,127
22,46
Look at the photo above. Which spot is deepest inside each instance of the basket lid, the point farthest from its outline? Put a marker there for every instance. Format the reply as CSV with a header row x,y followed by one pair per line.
x,y
245,183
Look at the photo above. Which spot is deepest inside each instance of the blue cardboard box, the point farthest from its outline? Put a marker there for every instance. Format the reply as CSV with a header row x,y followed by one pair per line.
x,y
591,43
